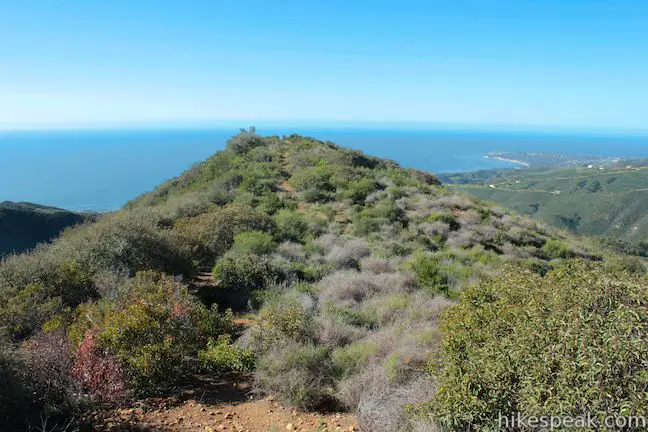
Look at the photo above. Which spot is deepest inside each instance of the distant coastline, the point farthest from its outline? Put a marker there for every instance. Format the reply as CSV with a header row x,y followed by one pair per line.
x,y
503,159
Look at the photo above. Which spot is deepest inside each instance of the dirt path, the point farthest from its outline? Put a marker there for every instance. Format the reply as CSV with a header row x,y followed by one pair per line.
x,y
208,405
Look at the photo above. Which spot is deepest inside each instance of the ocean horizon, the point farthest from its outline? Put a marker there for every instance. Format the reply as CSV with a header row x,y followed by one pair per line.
x,y
101,170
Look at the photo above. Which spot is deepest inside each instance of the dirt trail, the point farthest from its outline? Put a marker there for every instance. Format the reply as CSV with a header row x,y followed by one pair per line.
x,y
208,405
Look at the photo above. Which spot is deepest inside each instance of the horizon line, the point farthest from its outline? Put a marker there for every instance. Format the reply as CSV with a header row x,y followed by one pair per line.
x,y
180,125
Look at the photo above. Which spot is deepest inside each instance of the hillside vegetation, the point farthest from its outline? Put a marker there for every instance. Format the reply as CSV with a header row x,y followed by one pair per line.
x,y
364,286
24,225
610,202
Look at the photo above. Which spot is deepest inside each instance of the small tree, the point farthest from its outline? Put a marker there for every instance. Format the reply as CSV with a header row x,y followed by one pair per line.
x,y
245,141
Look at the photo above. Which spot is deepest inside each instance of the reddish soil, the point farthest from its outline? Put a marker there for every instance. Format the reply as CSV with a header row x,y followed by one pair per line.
x,y
217,405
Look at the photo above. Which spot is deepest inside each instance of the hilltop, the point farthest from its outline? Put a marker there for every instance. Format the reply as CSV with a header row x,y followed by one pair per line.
x,y
327,279
24,225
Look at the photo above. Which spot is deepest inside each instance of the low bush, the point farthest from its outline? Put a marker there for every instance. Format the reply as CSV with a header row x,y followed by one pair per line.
x,y
557,249
569,343
210,235
299,373
49,359
352,358
99,372
429,271
254,242
349,254
358,190
291,226
221,356
239,276
245,141
143,342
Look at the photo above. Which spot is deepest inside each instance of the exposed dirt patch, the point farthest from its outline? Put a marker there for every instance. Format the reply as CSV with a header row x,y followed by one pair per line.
x,y
287,187
206,405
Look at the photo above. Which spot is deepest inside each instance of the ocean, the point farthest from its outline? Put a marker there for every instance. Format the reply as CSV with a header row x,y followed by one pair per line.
x,y
101,170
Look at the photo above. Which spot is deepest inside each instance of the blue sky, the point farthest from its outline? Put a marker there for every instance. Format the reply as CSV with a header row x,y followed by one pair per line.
x,y
500,63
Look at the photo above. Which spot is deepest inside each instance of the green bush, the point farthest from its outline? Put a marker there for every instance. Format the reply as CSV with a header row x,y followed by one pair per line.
x,y
239,276
154,327
245,141
557,249
358,190
429,271
317,180
210,235
445,217
291,226
569,343
352,358
254,242
221,356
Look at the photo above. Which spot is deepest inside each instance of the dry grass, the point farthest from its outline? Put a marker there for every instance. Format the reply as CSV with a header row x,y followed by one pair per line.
x,y
349,254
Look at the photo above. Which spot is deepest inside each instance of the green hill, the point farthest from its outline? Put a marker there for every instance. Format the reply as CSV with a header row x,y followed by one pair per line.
x,y
610,202
353,275
24,225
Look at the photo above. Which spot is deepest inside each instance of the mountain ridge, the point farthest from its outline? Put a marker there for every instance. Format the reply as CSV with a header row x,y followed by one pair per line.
x,y
345,273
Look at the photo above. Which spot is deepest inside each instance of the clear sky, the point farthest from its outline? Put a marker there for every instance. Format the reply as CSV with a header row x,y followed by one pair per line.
x,y
562,63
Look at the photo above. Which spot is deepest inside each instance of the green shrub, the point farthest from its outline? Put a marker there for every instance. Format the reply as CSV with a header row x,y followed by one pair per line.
x,y
445,217
270,203
316,195
210,235
315,179
291,226
429,271
630,264
569,343
352,358
254,242
245,141
557,249
221,356
153,328
357,190
239,276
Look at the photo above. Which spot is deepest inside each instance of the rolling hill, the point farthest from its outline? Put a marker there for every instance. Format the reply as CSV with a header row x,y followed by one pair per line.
x,y
24,225
610,202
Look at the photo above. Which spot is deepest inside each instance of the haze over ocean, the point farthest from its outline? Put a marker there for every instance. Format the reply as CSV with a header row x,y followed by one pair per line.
x,y
103,169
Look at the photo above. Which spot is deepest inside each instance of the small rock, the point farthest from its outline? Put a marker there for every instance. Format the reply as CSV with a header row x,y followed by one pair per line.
x,y
290,427
208,429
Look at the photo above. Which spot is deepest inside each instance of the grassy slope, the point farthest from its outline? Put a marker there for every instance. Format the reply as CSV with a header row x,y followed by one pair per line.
x,y
616,208
23,225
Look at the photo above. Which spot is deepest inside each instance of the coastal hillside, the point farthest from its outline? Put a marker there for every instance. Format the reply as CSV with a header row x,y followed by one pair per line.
x,y
329,281
609,201
24,225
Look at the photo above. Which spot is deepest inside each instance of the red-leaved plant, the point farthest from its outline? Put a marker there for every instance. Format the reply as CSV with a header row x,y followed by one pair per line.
x,y
98,371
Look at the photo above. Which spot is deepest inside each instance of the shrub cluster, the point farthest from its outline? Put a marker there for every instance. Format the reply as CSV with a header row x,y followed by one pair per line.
x,y
569,343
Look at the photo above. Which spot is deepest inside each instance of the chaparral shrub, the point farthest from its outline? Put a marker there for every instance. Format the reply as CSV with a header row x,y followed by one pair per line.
x,y
569,343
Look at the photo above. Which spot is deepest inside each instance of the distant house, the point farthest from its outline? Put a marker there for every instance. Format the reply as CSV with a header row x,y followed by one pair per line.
x,y
590,166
